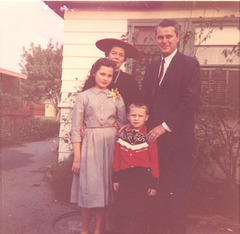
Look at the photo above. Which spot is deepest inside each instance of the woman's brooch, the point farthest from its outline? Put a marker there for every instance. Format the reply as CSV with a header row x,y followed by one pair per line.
x,y
114,94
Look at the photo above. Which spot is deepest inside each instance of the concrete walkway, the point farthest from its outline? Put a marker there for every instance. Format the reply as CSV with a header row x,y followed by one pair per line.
x,y
28,203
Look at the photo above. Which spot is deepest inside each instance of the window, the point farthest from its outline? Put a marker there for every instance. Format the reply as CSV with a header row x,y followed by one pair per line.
x,y
220,87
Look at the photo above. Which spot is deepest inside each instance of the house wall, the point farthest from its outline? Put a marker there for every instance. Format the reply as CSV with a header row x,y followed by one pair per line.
x,y
83,28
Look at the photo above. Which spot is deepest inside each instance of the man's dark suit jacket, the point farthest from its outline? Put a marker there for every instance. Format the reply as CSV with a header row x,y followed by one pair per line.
x,y
174,103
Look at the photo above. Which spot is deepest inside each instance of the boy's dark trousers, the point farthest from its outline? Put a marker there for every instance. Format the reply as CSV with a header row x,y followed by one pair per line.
x,y
132,201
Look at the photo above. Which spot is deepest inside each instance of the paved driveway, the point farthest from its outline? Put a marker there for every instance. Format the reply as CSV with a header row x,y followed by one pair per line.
x,y
29,205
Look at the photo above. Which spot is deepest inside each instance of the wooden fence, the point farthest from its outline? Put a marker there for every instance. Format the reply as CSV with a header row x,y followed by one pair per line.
x,y
17,116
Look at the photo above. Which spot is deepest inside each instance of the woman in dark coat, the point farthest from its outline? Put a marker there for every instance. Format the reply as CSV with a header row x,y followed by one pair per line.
x,y
118,51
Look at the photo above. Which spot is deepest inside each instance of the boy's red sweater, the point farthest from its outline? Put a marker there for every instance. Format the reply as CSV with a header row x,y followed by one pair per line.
x,y
132,149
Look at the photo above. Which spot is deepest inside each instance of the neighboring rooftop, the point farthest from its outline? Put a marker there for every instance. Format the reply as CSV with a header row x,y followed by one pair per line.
x,y
12,74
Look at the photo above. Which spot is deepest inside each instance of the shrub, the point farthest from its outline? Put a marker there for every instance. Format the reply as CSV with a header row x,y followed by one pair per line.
x,y
215,174
59,176
218,144
27,130
10,102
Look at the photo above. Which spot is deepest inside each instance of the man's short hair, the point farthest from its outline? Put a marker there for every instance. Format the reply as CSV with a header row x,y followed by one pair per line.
x,y
169,23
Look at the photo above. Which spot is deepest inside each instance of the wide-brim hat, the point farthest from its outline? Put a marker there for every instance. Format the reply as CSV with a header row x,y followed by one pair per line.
x,y
106,45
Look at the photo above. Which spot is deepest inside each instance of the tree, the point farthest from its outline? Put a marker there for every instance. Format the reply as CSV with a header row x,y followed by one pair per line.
x,y
43,68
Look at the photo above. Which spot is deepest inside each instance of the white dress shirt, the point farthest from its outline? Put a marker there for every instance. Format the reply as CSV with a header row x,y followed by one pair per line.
x,y
168,60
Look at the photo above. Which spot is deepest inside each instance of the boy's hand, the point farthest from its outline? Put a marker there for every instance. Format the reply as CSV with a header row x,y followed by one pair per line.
x,y
152,192
116,186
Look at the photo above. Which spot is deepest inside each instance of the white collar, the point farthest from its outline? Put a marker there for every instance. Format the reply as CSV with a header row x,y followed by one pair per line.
x,y
169,58
97,91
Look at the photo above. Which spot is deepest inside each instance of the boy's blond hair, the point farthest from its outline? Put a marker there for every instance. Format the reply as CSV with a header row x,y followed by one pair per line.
x,y
139,104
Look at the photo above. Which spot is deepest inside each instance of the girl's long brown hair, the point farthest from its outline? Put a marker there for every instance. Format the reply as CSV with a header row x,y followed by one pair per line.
x,y
90,82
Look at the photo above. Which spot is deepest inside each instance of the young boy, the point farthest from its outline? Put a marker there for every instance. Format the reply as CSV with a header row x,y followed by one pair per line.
x,y
136,172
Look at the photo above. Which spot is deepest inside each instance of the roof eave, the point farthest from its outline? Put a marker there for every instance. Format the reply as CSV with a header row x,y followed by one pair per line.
x,y
60,6
12,74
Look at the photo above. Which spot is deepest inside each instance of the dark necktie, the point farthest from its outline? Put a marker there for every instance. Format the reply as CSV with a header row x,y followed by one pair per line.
x,y
161,72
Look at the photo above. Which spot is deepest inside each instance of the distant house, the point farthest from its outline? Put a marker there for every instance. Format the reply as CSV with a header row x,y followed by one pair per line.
x,y
10,84
10,81
50,110
10,89
211,28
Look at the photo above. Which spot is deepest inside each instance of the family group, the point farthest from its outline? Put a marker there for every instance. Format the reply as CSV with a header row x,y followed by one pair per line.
x,y
133,148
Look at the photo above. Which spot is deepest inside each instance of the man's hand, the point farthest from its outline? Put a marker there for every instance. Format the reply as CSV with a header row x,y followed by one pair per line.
x,y
116,186
155,133
152,192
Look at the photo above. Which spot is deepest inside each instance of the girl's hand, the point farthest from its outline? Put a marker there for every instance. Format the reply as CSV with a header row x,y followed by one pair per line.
x,y
82,131
115,125
123,127
76,166
116,186
152,192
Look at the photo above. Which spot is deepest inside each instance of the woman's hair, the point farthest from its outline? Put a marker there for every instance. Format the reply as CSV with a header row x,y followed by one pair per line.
x,y
107,52
90,82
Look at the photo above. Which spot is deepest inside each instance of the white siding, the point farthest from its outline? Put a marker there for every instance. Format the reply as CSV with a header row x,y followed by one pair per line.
x,y
87,38
229,35
74,74
82,62
210,51
94,25
84,49
214,55
79,53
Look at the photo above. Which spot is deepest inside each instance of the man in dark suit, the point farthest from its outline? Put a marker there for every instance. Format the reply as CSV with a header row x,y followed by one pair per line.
x,y
171,87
